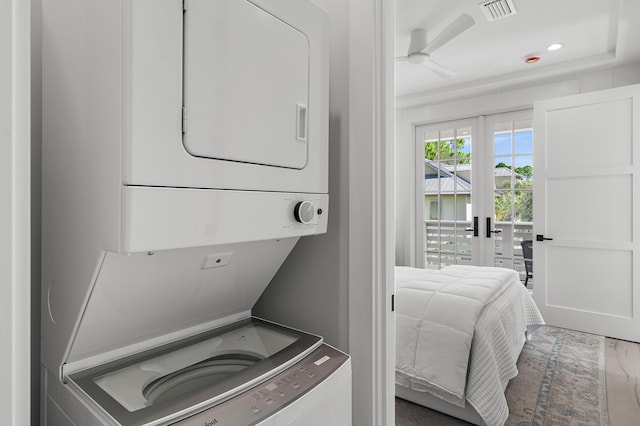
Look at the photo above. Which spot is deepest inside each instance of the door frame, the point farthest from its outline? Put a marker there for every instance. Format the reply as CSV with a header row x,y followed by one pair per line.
x,y
15,210
371,210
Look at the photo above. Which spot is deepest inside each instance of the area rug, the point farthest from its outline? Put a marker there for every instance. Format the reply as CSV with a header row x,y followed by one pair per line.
x,y
561,381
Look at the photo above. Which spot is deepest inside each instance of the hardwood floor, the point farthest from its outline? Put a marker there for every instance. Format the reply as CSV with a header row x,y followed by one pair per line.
x,y
623,382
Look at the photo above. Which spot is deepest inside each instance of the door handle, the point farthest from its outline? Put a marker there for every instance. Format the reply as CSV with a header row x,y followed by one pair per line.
x,y
542,238
475,227
491,231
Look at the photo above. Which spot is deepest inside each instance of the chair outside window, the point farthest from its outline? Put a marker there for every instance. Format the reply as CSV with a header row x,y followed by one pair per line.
x,y
527,254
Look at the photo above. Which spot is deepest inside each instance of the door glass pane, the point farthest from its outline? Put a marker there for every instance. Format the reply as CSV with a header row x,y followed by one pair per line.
x,y
513,197
523,137
523,205
502,141
503,172
447,197
503,206
431,144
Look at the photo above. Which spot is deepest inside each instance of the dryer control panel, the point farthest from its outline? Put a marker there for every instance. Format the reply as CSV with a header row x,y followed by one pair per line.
x,y
265,400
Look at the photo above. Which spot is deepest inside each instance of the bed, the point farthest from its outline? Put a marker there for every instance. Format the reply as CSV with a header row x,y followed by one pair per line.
x,y
459,332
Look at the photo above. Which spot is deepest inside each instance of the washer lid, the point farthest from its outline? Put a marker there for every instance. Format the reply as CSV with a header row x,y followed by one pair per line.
x,y
246,84
145,299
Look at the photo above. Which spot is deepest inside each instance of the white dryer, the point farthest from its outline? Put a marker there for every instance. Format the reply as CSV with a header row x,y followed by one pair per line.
x,y
185,153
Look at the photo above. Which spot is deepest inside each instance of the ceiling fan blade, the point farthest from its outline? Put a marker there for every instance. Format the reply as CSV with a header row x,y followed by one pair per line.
x,y
457,27
418,40
441,70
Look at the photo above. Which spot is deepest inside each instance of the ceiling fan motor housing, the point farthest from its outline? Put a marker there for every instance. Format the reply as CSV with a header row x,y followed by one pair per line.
x,y
417,58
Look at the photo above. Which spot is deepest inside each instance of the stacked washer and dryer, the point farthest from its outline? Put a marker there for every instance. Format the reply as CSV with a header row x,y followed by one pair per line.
x,y
185,152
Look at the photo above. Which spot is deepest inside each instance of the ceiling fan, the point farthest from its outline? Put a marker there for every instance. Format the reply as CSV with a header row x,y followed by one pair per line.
x,y
420,51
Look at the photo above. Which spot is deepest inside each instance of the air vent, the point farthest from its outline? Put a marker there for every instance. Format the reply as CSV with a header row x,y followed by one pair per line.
x,y
497,9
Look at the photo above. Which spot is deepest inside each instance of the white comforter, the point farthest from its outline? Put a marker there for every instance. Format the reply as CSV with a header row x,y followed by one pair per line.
x,y
441,313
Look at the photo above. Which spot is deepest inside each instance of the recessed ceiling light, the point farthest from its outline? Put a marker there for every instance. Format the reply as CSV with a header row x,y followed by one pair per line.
x,y
531,59
554,46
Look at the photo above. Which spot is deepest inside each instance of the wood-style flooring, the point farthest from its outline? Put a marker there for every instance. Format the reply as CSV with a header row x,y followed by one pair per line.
x,y
623,382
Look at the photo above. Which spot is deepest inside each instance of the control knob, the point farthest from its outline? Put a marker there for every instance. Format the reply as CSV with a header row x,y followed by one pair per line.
x,y
304,212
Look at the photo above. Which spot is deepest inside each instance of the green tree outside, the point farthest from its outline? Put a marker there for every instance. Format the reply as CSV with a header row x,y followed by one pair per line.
x,y
446,151
523,192
526,171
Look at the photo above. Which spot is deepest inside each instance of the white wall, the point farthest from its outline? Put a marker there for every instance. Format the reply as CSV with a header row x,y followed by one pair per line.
x,y
14,213
497,101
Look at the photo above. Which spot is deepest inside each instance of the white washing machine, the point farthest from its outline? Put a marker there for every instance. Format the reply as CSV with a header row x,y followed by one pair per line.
x,y
167,337
185,154
246,373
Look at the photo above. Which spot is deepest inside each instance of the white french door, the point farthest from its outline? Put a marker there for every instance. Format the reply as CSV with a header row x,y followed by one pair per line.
x,y
509,177
474,191
588,212
447,220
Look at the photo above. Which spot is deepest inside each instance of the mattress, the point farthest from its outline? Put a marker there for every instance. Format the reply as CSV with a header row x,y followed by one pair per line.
x,y
467,358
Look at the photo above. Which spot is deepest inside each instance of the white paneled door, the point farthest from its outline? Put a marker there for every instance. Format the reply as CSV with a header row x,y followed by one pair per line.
x,y
587,195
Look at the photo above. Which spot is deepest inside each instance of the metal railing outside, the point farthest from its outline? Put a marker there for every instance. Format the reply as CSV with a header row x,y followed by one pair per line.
x,y
450,243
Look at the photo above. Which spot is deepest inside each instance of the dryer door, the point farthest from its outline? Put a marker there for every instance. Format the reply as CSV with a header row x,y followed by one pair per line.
x,y
246,85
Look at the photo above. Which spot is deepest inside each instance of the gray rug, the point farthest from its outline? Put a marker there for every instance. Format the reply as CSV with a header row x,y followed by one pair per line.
x,y
561,381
